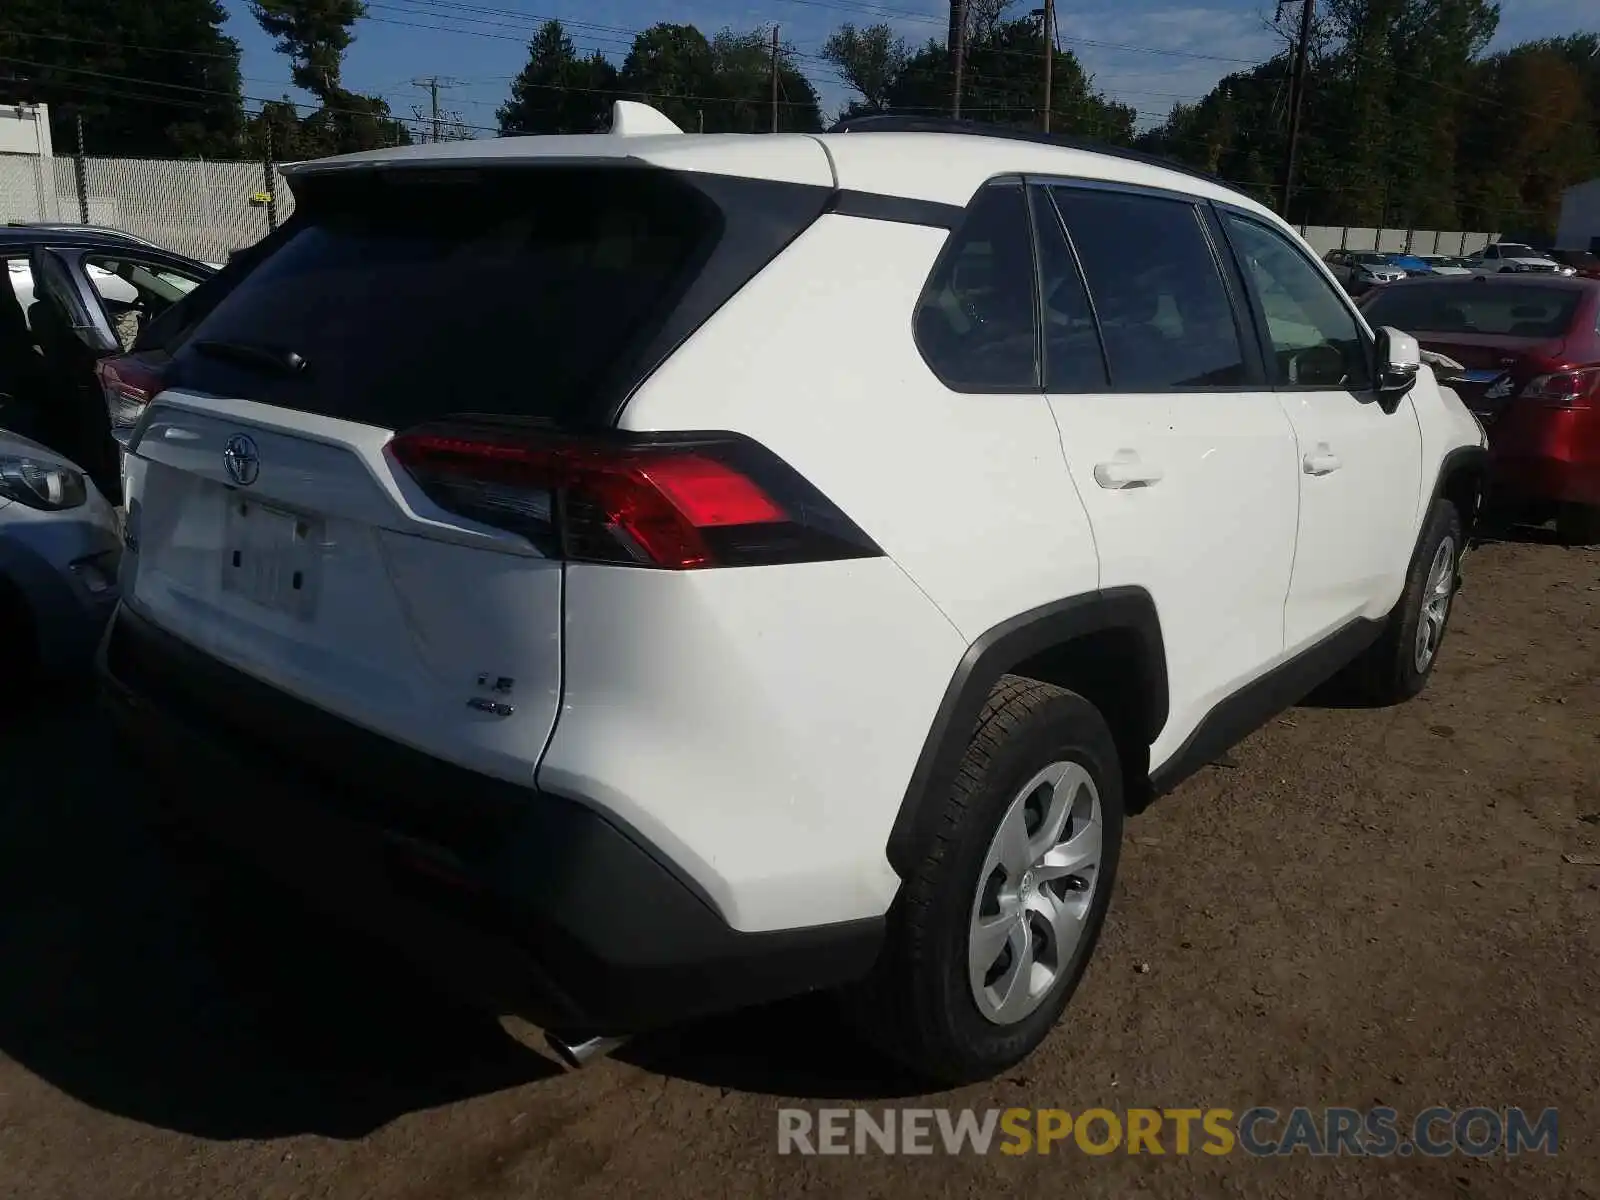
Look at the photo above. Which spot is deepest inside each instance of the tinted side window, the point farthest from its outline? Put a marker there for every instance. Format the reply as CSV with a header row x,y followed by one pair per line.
x,y
1073,358
1164,311
975,320
1315,339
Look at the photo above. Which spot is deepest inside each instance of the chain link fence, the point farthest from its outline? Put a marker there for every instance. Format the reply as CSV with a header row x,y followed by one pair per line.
x,y
205,210
209,209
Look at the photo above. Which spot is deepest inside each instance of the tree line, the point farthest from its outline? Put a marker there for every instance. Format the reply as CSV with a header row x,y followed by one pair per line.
x,y
1406,121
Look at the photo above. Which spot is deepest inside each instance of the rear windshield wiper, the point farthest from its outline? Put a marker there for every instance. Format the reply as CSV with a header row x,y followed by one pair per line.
x,y
268,358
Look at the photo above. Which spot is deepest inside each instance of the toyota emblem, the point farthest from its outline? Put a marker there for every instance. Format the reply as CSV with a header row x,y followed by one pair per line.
x,y
241,460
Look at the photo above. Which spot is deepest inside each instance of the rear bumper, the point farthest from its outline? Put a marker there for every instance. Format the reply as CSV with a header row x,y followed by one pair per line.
x,y
1546,479
531,901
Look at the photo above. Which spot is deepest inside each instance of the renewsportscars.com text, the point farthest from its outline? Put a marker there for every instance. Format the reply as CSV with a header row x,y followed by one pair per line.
x,y
1257,1132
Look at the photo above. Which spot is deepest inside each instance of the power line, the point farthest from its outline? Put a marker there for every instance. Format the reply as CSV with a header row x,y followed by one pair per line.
x,y
463,12
178,101
433,83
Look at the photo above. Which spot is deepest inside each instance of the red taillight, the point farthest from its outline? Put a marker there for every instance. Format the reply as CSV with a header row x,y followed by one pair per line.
x,y
129,385
1564,389
679,503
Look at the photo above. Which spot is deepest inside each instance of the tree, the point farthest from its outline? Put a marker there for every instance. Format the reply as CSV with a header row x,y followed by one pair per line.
x,y
151,78
1004,83
869,60
723,85
670,67
1405,125
556,91
741,87
1532,134
347,123
315,35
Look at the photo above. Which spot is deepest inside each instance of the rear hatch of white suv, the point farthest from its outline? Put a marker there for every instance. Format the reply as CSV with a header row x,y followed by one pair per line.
x,y
378,447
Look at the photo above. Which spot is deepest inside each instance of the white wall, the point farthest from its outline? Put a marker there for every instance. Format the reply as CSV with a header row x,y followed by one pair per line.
x,y
1579,225
25,129
27,190
1323,238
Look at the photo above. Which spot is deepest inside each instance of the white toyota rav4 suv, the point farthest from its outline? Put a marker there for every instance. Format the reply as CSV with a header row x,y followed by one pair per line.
x,y
696,570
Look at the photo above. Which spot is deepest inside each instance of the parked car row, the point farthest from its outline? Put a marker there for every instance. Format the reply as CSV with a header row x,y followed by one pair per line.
x,y
1362,270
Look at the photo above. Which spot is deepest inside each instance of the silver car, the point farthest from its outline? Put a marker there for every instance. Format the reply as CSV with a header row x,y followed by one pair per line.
x,y
60,548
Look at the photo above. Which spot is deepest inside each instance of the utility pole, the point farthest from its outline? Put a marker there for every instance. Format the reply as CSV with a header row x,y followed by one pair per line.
x,y
1050,54
1297,91
433,83
774,78
958,52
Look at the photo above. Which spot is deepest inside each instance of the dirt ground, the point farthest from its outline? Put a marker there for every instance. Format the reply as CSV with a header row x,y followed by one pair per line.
x,y
1355,908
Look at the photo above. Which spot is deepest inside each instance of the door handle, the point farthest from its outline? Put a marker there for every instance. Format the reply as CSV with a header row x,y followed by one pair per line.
x,y
1322,462
1125,473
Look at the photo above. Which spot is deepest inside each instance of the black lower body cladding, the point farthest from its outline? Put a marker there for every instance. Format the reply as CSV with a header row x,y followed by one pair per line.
x,y
533,902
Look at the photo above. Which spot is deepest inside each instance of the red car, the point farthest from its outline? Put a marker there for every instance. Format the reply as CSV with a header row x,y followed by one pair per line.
x,y
1530,353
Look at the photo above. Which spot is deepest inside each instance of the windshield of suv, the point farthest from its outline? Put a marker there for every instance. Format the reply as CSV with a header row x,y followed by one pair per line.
x,y
1367,256
1515,250
1510,309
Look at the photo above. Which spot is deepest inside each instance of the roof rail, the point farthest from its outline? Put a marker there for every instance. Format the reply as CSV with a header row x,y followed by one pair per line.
x,y
901,123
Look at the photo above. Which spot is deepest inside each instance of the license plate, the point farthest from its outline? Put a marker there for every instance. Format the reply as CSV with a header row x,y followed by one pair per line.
x,y
269,558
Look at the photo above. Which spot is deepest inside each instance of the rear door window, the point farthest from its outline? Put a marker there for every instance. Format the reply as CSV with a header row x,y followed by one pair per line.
x,y
1073,358
525,293
1166,318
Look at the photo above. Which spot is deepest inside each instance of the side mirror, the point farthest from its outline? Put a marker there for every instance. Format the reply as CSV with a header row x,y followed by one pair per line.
x,y
1399,360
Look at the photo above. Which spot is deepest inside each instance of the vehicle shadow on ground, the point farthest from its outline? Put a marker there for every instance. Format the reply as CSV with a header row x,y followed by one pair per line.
x,y
129,985
802,1048
1505,529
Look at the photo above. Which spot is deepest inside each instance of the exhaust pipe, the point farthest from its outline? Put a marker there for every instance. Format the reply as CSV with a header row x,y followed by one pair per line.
x,y
577,1054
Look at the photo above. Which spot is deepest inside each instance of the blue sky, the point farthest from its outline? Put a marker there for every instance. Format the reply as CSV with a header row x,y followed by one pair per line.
x,y
1147,53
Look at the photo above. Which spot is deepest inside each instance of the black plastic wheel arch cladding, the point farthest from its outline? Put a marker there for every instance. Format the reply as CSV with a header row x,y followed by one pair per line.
x,y
1128,611
1464,463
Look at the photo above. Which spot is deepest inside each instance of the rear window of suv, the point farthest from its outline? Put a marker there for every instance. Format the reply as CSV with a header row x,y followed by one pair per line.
x,y
1512,309
532,292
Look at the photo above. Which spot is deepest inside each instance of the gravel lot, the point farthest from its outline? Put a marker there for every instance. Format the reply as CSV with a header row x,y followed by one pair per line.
x,y
1356,907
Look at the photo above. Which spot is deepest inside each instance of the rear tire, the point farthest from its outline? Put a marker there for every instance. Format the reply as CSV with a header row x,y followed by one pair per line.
x,y
1578,524
995,924
1398,665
